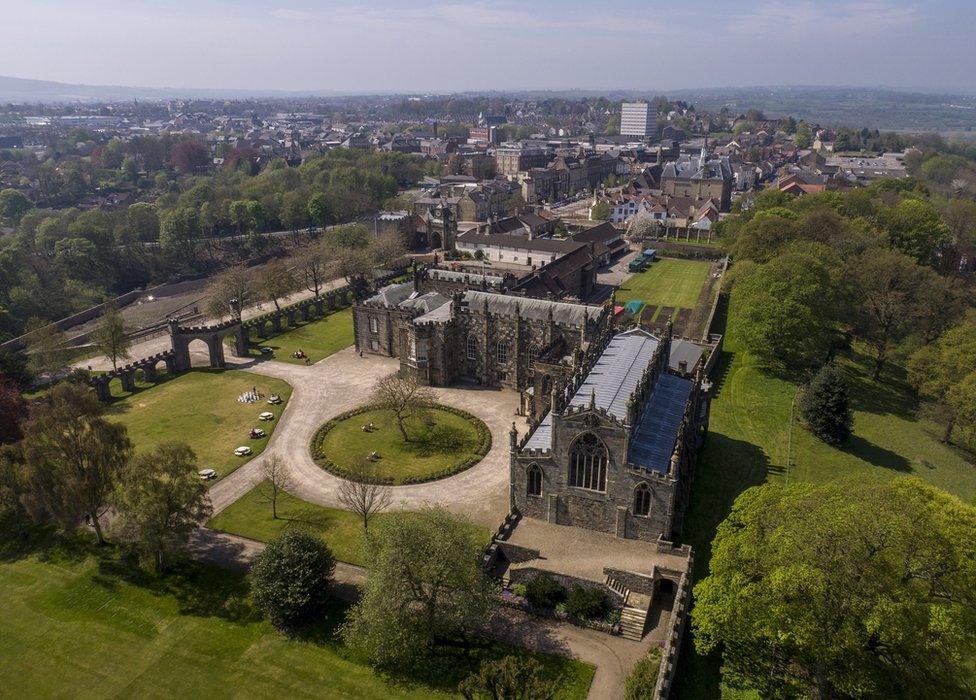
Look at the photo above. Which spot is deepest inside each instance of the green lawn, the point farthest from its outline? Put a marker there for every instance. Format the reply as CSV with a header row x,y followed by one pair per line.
x,y
752,440
342,530
667,282
318,339
451,439
78,623
200,408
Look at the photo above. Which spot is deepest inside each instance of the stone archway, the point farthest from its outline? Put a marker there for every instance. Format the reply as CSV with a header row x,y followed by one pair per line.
x,y
213,336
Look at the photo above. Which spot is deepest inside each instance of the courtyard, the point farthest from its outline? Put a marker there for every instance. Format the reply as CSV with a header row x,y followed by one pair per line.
x,y
201,408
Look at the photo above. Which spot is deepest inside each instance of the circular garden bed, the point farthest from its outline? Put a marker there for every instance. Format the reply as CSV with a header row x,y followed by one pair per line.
x,y
440,443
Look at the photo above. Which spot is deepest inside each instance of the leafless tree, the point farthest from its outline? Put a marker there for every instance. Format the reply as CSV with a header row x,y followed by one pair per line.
x,y
229,292
404,397
387,249
313,266
363,494
276,481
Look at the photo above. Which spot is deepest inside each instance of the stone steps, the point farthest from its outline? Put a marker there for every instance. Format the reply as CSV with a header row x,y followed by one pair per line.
x,y
632,621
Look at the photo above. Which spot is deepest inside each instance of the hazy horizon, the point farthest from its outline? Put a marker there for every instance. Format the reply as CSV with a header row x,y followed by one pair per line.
x,y
443,47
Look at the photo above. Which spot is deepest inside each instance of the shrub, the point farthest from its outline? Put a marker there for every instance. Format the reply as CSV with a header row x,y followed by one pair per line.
x,y
508,677
290,581
643,679
586,602
543,592
826,408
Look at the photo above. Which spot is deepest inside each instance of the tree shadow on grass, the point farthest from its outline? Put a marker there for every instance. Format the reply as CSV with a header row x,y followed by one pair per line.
x,y
875,454
200,590
726,468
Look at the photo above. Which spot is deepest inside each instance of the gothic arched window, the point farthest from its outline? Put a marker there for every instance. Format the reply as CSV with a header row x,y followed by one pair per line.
x,y
472,348
642,500
533,480
588,463
533,356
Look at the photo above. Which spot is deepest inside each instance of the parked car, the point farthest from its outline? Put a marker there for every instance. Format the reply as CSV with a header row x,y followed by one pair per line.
x,y
265,350
207,474
267,415
257,433
242,451
274,399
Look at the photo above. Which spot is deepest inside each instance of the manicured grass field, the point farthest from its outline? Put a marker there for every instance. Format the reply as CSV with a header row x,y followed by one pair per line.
x,y
342,530
318,339
78,623
752,440
667,282
200,408
431,448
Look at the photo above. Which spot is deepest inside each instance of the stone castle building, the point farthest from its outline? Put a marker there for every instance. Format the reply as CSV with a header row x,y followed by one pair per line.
x,y
616,447
446,327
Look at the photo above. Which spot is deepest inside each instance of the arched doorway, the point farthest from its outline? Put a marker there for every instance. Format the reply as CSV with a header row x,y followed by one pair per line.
x,y
200,353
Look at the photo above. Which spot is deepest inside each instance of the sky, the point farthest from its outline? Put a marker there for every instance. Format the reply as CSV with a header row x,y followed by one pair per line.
x,y
450,45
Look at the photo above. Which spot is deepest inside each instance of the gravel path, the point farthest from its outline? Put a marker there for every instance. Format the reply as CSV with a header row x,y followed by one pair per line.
x,y
344,381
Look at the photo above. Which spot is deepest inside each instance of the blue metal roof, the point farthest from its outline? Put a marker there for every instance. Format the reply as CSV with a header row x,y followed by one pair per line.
x,y
653,441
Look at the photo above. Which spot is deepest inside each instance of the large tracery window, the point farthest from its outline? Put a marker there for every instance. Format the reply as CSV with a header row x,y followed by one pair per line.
x,y
533,480
642,500
588,463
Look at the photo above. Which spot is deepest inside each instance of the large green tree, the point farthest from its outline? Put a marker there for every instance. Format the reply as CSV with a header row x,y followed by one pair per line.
x,y
850,588
161,500
291,580
825,406
937,369
916,229
786,310
73,457
885,286
425,582
13,205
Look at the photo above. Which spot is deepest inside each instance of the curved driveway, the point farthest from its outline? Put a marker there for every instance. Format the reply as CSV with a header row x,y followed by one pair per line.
x,y
344,381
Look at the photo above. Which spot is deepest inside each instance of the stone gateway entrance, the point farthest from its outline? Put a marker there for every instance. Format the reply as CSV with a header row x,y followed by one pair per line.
x,y
213,336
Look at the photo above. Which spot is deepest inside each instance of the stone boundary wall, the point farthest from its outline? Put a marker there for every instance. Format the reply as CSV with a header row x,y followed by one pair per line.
x,y
490,556
675,634
711,314
127,374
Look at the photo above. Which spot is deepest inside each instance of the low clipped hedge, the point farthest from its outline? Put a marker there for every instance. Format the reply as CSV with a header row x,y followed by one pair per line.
x,y
484,445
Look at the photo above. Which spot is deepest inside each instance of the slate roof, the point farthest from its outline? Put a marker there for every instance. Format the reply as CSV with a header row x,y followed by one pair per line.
x,y
531,309
612,380
466,277
652,443
392,294
518,242
686,350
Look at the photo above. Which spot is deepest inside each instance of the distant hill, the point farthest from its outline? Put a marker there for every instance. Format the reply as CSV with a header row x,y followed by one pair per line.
x,y
27,90
853,107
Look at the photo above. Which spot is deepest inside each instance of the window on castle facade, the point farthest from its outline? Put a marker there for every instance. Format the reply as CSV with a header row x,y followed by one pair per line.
x,y
588,463
472,348
533,481
501,353
374,325
533,356
642,500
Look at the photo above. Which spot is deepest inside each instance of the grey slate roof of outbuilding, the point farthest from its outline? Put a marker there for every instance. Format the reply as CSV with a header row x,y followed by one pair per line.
x,y
685,350
392,294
